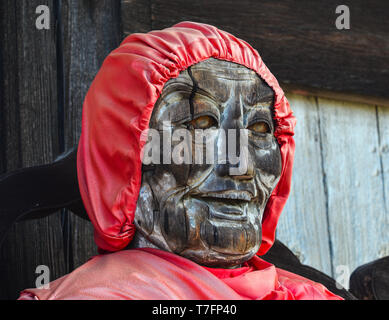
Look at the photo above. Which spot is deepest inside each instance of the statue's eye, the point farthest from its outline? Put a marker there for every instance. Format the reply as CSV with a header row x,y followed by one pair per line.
x,y
260,127
203,122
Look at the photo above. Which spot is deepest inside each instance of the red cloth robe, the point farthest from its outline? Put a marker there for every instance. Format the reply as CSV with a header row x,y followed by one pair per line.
x,y
151,274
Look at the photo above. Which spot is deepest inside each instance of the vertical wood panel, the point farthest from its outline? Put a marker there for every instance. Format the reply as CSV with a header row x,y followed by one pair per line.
x,y
91,30
30,137
356,208
136,16
303,223
383,128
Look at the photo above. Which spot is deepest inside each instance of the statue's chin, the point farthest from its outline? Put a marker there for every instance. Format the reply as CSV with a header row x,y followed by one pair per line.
x,y
216,259
219,244
213,233
203,256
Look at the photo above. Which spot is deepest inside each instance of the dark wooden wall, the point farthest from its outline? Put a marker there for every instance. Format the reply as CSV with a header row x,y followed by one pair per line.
x,y
297,38
44,76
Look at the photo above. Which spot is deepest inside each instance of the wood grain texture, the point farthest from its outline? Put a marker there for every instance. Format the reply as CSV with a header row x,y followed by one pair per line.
x,y
303,224
298,40
91,30
29,137
353,179
340,175
383,131
136,16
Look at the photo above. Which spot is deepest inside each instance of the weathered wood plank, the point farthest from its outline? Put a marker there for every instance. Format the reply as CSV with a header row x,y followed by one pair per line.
x,y
356,209
383,130
91,31
298,40
303,223
333,95
136,16
10,119
30,133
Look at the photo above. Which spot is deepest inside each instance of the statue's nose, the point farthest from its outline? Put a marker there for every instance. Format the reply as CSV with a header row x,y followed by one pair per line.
x,y
234,158
243,170
233,154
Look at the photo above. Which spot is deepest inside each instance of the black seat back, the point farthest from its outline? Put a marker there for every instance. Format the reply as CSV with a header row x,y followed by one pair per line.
x,y
36,192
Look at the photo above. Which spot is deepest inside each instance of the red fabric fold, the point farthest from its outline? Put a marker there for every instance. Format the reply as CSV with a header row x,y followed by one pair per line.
x,y
151,274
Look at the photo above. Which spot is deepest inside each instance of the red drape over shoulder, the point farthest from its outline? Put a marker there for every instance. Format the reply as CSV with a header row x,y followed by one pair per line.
x,y
151,274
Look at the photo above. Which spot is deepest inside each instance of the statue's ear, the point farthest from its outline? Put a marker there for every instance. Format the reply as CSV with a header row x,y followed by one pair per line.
x,y
36,192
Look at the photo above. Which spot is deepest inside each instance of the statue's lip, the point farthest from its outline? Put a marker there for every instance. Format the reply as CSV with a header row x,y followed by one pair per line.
x,y
226,204
226,213
226,194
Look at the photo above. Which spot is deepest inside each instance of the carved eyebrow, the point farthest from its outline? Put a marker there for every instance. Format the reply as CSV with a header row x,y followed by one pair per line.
x,y
183,98
172,86
259,105
265,94
259,101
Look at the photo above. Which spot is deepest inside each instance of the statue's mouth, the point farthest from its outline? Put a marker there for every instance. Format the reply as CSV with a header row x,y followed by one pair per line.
x,y
227,205
227,212
226,195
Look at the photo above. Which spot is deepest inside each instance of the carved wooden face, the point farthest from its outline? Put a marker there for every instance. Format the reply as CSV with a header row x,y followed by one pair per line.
x,y
203,210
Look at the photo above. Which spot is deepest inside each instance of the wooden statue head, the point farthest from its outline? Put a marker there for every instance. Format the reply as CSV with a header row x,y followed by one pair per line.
x,y
214,163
